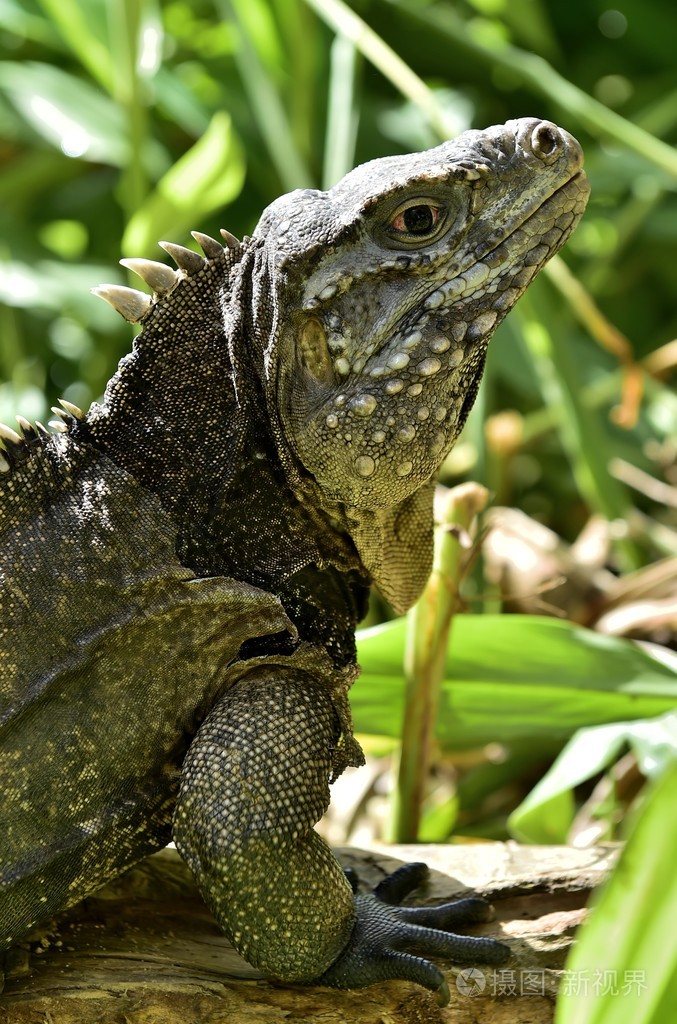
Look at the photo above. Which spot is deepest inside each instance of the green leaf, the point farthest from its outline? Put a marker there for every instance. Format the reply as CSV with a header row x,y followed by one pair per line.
x,y
263,94
84,28
629,937
26,25
511,678
205,178
67,112
547,813
58,286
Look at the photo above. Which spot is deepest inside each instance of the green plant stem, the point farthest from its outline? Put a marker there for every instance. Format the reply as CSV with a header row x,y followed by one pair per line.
x,y
125,25
586,443
264,98
532,70
342,112
342,19
69,18
428,629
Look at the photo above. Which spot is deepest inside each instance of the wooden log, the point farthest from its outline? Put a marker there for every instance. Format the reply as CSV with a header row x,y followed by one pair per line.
x,y
145,950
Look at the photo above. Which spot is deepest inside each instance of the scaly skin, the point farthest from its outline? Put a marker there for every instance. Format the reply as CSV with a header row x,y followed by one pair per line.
x,y
183,567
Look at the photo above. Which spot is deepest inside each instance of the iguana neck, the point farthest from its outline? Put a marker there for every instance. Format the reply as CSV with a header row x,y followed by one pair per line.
x,y
186,416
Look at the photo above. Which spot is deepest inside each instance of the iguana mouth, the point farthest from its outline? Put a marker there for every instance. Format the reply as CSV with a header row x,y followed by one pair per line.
x,y
577,183
463,310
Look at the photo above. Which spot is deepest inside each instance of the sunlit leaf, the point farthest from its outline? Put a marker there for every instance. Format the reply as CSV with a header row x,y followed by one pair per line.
x,y
629,938
57,286
547,813
67,112
207,177
511,678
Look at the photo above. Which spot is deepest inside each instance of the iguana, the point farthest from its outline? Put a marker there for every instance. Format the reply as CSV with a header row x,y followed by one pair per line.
x,y
183,567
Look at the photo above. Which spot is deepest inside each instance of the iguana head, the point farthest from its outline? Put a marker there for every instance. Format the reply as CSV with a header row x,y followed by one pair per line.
x,y
387,289
363,314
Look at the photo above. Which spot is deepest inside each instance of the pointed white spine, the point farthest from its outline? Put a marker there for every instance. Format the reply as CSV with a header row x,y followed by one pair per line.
x,y
74,410
231,241
157,276
128,302
9,436
185,259
210,247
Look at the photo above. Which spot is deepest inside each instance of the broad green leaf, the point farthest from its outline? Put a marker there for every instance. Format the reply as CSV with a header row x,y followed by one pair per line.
x,y
67,112
512,678
58,286
26,25
629,937
589,752
204,179
84,28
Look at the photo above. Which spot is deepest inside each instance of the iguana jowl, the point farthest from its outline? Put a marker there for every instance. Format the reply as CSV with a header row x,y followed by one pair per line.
x,y
184,566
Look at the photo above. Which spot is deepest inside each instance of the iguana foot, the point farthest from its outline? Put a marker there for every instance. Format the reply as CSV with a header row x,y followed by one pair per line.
x,y
386,936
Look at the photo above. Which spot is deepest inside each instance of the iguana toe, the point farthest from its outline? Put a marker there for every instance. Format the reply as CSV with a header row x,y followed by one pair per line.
x,y
390,941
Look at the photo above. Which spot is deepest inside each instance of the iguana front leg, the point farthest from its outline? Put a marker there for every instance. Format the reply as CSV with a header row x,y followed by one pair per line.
x,y
255,781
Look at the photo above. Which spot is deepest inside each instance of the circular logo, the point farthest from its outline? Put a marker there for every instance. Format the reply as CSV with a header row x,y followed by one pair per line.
x,y
471,982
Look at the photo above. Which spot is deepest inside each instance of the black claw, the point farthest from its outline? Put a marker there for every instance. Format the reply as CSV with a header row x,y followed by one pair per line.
x,y
353,878
449,915
396,886
386,937
491,951
364,965
442,994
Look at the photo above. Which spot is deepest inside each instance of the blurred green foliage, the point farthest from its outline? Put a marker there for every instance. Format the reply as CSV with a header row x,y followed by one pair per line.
x,y
126,121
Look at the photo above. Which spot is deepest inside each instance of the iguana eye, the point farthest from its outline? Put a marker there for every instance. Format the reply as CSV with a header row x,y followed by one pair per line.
x,y
417,221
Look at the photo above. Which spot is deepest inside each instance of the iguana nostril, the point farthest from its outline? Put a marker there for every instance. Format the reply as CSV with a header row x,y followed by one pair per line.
x,y
546,141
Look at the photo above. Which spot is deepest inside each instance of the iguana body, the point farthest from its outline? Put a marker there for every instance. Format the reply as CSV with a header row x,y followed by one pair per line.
x,y
183,567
